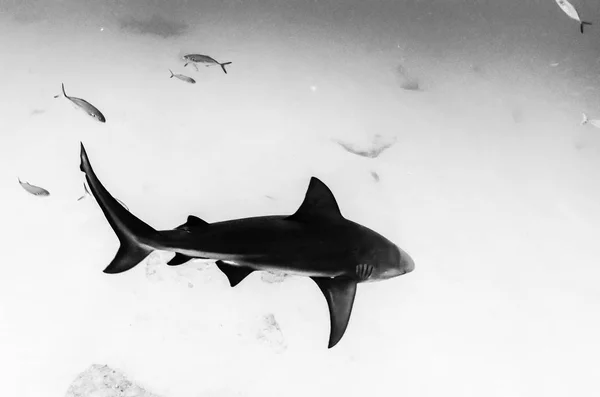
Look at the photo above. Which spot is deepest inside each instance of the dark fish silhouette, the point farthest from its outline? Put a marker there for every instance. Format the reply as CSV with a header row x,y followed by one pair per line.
x,y
316,241
84,105
182,77
35,190
204,59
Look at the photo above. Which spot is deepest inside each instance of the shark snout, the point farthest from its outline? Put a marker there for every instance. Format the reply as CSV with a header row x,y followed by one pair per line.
x,y
408,265
404,262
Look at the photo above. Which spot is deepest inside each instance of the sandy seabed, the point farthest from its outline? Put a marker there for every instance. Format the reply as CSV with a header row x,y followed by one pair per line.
x,y
490,184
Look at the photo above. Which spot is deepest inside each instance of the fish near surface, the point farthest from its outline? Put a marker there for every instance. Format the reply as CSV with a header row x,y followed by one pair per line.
x,y
316,241
204,59
572,13
585,120
35,190
85,106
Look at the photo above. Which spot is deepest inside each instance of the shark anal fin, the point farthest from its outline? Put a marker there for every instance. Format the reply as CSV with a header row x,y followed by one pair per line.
x,y
235,274
339,293
179,259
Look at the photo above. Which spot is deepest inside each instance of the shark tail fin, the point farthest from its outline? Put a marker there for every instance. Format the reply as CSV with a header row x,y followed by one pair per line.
x,y
223,66
171,74
584,119
133,233
582,24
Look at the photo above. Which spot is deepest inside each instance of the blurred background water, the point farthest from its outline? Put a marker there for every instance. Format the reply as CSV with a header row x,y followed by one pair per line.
x,y
451,127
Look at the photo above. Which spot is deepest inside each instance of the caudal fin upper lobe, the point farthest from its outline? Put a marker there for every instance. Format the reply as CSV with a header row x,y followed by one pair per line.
x,y
133,234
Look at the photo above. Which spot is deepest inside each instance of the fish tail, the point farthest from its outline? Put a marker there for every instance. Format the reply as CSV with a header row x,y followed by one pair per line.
x,y
223,66
582,24
63,90
171,74
135,235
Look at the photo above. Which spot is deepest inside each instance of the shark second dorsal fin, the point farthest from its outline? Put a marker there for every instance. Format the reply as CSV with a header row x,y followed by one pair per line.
x,y
235,274
319,204
193,222
339,293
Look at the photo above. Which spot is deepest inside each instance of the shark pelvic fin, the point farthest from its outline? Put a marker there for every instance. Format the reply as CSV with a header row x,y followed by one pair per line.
x,y
339,293
235,274
319,204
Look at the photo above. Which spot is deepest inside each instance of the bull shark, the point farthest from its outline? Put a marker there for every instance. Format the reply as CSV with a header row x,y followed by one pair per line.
x,y
316,241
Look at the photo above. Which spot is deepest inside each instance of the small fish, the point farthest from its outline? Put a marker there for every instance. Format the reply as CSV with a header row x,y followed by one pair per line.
x,y
375,176
585,120
84,105
85,194
35,190
182,77
205,59
572,13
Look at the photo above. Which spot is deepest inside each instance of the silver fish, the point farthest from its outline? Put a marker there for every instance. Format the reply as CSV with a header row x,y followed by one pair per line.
x,y
84,105
182,77
572,13
585,120
204,59
35,190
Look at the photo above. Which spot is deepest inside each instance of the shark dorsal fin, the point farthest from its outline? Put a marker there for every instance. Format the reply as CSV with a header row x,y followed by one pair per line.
x,y
193,222
319,204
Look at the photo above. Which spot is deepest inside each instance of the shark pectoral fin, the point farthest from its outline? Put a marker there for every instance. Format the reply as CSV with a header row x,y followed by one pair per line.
x,y
235,274
179,259
339,293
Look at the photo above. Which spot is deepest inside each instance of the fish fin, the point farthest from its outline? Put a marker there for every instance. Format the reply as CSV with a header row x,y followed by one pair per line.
x,y
193,222
584,119
63,90
172,75
235,274
179,259
319,204
582,24
81,198
130,230
223,66
339,293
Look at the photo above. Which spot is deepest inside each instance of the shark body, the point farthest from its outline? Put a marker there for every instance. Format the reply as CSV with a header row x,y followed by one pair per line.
x,y
316,241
